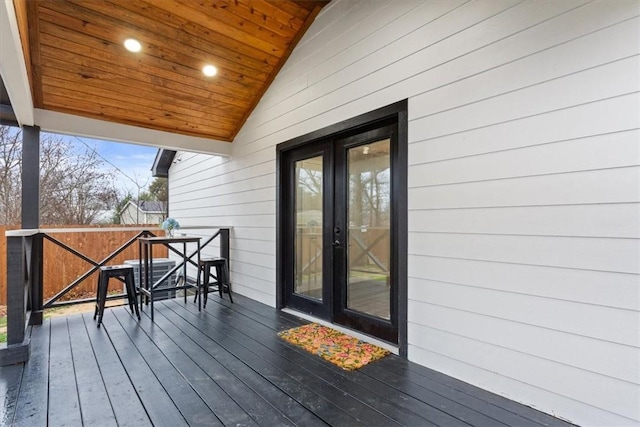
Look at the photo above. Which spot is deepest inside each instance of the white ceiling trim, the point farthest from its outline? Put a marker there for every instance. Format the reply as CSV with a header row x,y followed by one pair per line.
x,y
13,67
68,124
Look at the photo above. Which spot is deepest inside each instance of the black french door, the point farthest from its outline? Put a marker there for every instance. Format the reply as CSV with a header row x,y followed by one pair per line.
x,y
339,231
309,229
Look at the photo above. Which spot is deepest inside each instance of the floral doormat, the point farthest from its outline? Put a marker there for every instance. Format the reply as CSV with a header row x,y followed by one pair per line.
x,y
347,352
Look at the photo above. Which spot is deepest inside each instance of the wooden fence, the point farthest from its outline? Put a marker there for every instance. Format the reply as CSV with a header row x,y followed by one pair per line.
x,y
61,267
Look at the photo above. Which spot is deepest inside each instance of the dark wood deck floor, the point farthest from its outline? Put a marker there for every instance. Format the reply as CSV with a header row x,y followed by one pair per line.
x,y
225,366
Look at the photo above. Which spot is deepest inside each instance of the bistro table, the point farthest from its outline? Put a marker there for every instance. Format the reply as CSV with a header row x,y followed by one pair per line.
x,y
146,246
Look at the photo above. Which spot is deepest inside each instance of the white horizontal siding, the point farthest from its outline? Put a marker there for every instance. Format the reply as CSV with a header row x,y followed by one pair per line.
x,y
600,254
614,150
584,320
596,220
524,184
569,348
452,327
606,45
606,81
584,286
451,356
595,186
606,116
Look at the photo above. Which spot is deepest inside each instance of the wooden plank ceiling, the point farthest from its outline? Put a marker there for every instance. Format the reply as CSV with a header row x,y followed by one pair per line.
x,y
78,64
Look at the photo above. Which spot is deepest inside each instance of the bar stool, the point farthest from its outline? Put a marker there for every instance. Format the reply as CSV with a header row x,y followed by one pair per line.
x,y
124,273
222,276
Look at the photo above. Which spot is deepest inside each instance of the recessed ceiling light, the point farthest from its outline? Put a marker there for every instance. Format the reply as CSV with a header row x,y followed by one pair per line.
x,y
132,45
209,70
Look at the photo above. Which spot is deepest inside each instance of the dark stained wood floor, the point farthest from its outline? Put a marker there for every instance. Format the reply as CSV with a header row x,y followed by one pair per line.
x,y
225,366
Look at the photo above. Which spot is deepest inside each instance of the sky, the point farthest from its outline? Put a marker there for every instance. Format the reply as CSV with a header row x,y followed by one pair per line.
x,y
132,163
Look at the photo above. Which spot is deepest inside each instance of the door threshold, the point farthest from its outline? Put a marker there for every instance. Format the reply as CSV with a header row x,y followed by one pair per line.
x,y
366,338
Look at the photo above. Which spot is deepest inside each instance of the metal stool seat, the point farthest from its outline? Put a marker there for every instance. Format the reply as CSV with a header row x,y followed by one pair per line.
x,y
221,276
124,273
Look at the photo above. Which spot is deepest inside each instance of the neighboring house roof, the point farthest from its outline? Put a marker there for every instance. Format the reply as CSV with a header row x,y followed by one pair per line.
x,y
149,206
146,206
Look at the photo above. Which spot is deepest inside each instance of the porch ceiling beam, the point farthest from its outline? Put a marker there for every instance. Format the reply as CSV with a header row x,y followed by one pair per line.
x,y
13,68
51,121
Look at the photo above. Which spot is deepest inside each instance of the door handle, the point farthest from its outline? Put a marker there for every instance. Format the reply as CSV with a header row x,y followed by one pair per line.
x,y
337,243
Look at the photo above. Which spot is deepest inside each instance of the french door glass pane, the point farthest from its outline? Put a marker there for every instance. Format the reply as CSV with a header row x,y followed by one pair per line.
x,y
308,238
369,218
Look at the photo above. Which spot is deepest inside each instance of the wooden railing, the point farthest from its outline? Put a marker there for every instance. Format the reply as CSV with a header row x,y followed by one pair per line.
x,y
26,302
61,267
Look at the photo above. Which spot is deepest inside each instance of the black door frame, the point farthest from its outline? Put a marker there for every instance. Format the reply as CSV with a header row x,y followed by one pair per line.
x,y
394,113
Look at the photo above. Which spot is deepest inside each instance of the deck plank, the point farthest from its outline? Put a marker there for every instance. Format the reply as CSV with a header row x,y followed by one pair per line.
x,y
224,411
127,407
217,384
64,402
282,354
194,410
319,401
423,402
269,392
95,406
32,404
404,408
400,370
426,394
157,402
263,314
10,382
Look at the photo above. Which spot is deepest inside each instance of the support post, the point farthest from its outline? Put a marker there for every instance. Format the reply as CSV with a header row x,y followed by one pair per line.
x,y
16,349
30,177
31,218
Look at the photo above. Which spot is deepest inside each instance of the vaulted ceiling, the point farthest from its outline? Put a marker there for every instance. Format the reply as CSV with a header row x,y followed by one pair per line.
x,y
77,64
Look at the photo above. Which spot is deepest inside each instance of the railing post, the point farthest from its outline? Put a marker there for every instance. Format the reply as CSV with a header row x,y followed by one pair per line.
x,y
16,349
224,244
35,271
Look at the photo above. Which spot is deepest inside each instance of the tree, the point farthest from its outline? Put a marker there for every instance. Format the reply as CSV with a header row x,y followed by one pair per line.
x,y
75,186
10,176
117,210
158,189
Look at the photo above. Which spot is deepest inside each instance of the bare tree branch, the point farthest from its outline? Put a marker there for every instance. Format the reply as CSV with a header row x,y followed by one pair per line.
x,y
75,187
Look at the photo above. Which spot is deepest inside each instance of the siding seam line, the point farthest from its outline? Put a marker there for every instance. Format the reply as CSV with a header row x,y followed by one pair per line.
x,y
525,353
507,178
506,291
541,113
521,263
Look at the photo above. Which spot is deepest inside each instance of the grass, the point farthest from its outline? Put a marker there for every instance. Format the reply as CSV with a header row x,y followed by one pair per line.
x,y
3,329
56,311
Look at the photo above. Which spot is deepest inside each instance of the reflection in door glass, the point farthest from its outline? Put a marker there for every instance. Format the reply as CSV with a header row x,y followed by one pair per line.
x,y
369,216
308,238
